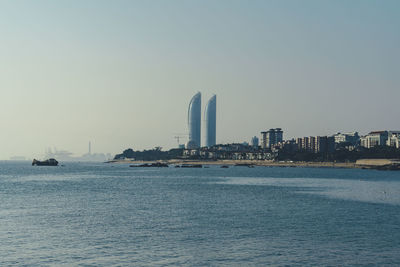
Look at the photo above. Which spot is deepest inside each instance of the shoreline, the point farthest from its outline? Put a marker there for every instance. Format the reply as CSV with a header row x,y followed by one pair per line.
x,y
348,165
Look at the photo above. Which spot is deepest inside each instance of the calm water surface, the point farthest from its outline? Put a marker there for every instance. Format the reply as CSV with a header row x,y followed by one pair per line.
x,y
105,215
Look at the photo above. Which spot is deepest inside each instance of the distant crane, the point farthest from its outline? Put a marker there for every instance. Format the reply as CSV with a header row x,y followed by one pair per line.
x,y
177,138
180,136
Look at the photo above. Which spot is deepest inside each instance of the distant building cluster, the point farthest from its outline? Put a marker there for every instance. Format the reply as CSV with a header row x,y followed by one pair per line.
x,y
381,138
235,151
328,144
348,141
271,142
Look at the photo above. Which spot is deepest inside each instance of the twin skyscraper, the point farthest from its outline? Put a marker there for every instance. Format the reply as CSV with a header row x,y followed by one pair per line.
x,y
194,121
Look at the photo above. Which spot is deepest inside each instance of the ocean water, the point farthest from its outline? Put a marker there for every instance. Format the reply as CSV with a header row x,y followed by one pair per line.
x,y
83,214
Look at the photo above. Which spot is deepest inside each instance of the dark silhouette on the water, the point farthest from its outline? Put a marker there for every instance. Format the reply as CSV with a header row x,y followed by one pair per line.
x,y
191,166
48,162
156,164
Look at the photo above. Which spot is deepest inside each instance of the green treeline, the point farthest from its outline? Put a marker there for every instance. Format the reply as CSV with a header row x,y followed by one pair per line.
x,y
148,155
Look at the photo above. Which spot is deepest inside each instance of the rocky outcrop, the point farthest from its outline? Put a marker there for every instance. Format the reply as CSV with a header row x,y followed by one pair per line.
x,y
48,162
379,164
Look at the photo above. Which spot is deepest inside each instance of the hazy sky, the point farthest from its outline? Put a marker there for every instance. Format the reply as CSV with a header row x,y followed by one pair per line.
x,y
121,73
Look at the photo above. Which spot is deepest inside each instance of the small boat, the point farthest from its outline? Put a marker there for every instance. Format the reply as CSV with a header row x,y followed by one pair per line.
x,y
224,166
48,162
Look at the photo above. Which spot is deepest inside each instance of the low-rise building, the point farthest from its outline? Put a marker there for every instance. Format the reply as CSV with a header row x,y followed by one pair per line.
x,y
393,139
286,145
376,138
188,153
350,138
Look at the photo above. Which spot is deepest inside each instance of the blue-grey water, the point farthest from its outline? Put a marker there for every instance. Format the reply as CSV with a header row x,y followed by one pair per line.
x,y
85,214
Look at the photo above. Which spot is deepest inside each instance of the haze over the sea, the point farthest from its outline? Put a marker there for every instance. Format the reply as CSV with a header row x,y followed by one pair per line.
x,y
121,73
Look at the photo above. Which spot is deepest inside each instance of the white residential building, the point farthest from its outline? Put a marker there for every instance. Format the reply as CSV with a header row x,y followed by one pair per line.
x,y
394,139
377,138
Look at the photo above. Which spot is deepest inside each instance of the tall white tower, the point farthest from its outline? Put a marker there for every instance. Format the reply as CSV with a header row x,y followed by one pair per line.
x,y
194,121
210,118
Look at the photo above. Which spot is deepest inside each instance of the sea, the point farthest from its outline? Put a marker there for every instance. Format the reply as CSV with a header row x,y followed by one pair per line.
x,y
97,214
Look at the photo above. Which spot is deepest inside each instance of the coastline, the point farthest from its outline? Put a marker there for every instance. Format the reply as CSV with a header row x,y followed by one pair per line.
x,y
349,165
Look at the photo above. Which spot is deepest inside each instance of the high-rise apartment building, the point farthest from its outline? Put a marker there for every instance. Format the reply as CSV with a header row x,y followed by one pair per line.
x,y
316,144
324,144
271,137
